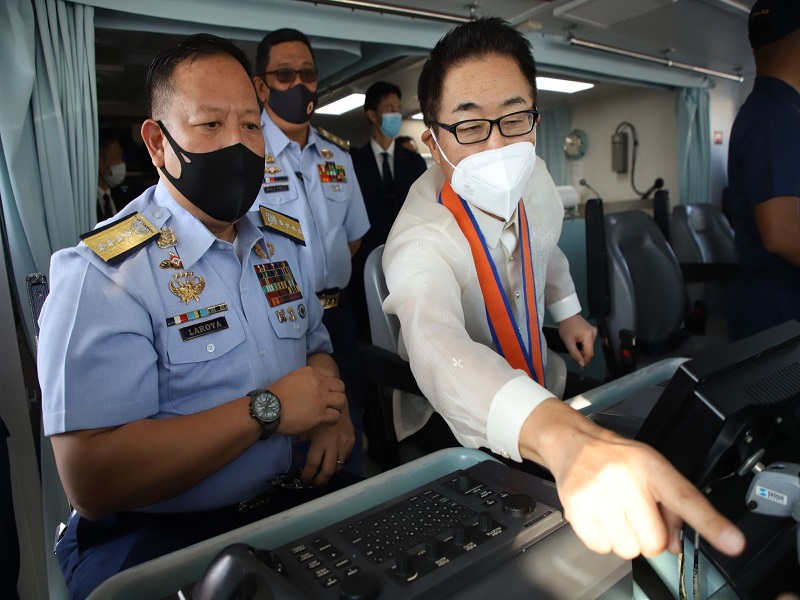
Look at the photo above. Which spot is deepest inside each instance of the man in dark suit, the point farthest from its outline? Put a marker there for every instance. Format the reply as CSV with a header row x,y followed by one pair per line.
x,y
111,195
385,171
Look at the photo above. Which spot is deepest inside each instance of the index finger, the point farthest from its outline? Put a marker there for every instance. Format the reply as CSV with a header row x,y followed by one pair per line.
x,y
680,497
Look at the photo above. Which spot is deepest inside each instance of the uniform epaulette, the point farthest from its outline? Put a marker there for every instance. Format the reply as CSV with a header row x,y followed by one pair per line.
x,y
335,139
283,225
118,240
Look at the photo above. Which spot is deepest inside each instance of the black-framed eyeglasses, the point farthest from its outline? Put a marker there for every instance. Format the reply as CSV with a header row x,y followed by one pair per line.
x,y
473,131
287,75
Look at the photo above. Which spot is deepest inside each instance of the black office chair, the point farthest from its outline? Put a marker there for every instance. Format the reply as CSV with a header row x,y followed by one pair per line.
x,y
702,238
55,505
637,292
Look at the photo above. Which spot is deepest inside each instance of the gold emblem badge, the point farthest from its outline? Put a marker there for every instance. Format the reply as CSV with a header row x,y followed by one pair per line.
x,y
188,289
292,316
281,315
259,251
167,238
326,153
271,249
173,262
269,158
272,170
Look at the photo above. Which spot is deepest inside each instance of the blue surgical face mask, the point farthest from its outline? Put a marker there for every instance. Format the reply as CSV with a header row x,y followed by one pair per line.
x,y
390,124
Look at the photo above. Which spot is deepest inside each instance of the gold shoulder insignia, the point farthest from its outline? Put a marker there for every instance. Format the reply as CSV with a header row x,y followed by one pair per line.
x,y
335,139
283,225
116,241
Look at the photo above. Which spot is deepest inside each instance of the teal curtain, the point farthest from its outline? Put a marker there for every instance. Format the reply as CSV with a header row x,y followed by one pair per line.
x,y
48,132
550,133
694,145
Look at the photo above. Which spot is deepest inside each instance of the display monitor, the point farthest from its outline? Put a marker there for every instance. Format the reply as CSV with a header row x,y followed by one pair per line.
x,y
720,415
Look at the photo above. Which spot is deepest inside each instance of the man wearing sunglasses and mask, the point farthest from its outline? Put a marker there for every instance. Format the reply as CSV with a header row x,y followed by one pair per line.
x,y
310,183
471,263
181,352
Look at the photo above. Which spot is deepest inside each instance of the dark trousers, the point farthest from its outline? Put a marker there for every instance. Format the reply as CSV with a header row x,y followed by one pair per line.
x,y
341,326
92,551
9,542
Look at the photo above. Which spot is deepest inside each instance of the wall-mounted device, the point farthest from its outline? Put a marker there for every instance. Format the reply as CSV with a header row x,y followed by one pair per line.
x,y
619,152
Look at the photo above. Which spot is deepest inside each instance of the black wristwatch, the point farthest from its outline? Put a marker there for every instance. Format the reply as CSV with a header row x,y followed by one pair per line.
x,y
266,409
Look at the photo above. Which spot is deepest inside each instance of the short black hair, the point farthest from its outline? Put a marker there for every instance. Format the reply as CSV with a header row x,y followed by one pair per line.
x,y
404,138
475,39
377,91
273,38
159,77
106,136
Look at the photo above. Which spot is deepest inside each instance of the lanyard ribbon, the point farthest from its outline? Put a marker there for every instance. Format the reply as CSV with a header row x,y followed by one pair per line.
x,y
502,324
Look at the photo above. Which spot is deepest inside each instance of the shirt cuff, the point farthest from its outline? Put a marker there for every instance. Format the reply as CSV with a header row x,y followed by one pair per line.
x,y
565,308
512,404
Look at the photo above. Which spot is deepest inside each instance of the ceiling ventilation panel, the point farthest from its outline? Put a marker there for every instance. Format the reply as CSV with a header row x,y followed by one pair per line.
x,y
605,13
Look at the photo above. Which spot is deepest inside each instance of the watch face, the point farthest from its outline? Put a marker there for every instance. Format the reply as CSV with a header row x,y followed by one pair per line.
x,y
267,407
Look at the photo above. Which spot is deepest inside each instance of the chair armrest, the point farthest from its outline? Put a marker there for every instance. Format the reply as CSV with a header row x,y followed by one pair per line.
x,y
699,272
387,368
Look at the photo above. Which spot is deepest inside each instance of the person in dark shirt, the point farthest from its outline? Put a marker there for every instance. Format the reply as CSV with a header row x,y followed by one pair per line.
x,y
764,178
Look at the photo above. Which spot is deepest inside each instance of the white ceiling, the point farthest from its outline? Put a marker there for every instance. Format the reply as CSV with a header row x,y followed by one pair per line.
x,y
706,33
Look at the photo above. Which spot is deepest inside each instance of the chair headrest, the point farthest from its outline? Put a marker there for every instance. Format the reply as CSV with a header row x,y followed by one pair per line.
x,y
698,219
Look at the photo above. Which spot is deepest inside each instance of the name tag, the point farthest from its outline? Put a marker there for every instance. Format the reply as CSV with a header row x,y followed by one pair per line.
x,y
269,189
195,331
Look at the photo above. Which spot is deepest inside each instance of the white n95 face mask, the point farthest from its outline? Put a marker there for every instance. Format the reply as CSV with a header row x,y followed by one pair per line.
x,y
493,180
117,176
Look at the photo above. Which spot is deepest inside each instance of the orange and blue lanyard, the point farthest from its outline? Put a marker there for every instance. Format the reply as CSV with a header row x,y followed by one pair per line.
x,y
502,324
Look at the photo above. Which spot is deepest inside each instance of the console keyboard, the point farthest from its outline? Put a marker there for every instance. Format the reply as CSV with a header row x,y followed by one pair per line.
x,y
423,544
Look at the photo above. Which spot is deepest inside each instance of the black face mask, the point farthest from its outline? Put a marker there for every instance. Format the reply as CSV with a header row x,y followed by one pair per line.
x,y
223,183
295,105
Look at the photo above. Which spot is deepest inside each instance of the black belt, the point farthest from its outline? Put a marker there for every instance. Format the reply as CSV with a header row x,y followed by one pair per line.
x,y
329,298
283,487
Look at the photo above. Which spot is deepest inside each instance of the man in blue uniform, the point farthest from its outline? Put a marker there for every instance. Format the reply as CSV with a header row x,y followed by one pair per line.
x,y
764,177
308,174
182,352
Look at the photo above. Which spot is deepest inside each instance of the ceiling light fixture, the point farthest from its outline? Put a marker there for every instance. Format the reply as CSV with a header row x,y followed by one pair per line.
x,y
343,105
417,117
565,86
663,60
393,10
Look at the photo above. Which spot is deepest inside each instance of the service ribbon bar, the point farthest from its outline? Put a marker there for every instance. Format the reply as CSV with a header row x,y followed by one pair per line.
x,y
197,314
278,283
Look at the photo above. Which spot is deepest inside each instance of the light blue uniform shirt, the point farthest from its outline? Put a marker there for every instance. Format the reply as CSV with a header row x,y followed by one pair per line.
x,y
326,199
107,356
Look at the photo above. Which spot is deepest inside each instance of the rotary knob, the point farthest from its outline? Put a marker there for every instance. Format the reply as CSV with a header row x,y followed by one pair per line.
x,y
361,586
403,566
460,535
485,522
518,505
463,481
433,549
